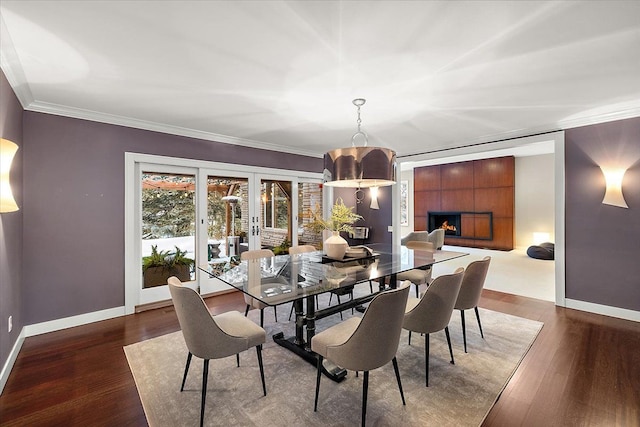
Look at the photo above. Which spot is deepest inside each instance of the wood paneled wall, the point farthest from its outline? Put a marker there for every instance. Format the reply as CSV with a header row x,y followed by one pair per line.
x,y
486,185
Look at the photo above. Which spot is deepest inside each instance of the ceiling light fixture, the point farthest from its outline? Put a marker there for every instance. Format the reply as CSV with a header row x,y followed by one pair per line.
x,y
360,167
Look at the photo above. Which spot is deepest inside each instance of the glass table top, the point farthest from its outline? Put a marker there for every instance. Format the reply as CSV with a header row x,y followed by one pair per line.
x,y
285,278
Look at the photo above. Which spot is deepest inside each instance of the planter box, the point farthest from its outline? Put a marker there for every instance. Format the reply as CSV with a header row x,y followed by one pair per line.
x,y
157,276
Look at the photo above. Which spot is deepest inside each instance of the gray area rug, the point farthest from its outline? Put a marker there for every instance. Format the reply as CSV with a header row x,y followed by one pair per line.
x,y
458,395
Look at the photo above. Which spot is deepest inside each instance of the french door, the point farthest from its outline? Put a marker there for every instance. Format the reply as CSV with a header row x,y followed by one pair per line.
x,y
206,212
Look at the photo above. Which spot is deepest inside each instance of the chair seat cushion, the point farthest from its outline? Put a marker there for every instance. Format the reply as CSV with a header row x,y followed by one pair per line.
x,y
235,324
334,336
415,276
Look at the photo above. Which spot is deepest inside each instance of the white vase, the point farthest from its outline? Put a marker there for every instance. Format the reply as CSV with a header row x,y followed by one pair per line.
x,y
335,246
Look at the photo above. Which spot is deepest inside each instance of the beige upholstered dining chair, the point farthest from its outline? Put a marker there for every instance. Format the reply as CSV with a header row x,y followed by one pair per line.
x,y
252,302
418,276
436,237
301,249
363,344
470,291
432,312
212,337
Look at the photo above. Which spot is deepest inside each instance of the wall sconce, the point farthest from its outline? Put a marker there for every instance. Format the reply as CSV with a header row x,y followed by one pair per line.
x,y
7,152
613,195
373,191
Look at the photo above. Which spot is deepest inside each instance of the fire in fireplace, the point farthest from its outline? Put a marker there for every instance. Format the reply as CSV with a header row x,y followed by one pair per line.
x,y
448,221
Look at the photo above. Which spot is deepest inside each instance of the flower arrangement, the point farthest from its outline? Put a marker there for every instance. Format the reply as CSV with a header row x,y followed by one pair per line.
x,y
341,219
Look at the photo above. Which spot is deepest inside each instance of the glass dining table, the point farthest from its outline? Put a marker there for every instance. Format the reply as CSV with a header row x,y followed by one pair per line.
x,y
300,278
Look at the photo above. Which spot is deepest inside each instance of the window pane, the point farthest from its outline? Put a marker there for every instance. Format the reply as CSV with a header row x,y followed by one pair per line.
x,y
276,204
309,198
168,227
227,218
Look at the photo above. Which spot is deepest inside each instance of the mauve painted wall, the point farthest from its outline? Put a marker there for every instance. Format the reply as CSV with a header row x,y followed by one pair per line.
x,y
377,220
11,227
602,241
74,206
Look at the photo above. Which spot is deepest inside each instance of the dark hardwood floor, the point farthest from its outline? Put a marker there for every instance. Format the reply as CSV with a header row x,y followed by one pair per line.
x,y
582,370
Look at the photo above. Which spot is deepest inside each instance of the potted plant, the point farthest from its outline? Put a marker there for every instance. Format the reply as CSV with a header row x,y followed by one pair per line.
x,y
341,218
282,248
160,265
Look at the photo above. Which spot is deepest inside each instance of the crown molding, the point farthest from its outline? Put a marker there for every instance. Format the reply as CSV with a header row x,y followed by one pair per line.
x,y
520,136
629,111
78,113
12,68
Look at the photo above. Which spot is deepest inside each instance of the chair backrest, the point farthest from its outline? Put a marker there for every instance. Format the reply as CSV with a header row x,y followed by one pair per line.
x,y
256,254
375,341
415,236
294,250
472,284
437,238
419,245
433,312
201,333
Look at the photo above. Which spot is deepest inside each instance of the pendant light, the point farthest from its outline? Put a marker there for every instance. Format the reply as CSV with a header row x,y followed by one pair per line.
x,y
360,167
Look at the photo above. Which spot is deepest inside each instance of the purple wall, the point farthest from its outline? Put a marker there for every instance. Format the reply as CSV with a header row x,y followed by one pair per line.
x,y
11,227
377,220
602,241
74,206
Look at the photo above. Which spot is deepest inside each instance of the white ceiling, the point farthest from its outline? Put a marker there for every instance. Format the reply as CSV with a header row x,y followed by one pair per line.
x,y
282,75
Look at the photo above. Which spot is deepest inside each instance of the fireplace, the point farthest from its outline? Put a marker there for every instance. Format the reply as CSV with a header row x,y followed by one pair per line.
x,y
466,225
449,221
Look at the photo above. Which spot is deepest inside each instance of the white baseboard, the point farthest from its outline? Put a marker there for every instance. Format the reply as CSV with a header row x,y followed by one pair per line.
x,y
6,369
621,313
70,322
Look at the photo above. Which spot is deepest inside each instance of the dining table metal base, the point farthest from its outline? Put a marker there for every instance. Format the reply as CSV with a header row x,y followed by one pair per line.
x,y
329,369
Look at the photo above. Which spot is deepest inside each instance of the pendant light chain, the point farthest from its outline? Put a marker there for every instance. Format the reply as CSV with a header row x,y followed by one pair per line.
x,y
359,102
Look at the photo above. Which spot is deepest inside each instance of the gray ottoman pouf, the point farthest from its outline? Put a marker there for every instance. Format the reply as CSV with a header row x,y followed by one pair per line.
x,y
541,251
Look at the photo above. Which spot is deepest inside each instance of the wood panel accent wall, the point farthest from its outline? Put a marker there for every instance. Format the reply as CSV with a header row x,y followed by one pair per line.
x,y
486,185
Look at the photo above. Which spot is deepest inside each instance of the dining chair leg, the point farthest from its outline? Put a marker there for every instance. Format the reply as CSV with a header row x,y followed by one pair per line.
x,y
186,370
338,296
426,359
238,359
464,330
246,310
205,374
446,331
409,337
365,388
479,324
395,368
275,313
319,374
262,317
259,351
291,312
417,290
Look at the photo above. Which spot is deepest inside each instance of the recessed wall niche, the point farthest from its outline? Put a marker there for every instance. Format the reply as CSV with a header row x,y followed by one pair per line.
x,y
476,188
